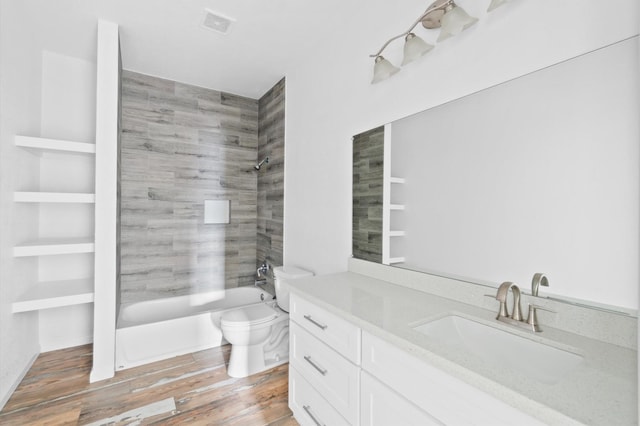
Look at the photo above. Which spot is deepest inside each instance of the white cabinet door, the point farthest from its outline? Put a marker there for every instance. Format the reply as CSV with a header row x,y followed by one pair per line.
x,y
380,406
445,397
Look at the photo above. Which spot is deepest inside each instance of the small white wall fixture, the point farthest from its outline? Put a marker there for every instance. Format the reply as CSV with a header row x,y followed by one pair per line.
x,y
216,211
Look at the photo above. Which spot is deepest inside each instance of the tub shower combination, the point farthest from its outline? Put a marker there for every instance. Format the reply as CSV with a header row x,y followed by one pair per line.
x,y
154,330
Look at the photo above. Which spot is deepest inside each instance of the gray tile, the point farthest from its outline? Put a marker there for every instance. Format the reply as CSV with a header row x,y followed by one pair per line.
x,y
183,144
368,151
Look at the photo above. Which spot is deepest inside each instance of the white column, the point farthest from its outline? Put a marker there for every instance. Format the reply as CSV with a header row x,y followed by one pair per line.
x,y
104,328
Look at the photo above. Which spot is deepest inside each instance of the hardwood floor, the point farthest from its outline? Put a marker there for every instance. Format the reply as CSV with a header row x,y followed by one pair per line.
x,y
192,389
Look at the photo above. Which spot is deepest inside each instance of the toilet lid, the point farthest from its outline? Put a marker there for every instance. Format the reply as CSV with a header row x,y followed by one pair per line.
x,y
249,315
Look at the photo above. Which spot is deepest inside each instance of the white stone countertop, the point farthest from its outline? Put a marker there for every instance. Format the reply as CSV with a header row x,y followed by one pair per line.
x,y
602,390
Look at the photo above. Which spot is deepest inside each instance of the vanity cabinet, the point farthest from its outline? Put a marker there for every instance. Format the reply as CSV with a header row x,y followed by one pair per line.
x,y
441,398
324,379
341,375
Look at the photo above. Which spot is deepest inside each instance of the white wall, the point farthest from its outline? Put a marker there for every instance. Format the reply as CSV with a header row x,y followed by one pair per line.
x,y
19,114
68,98
68,113
540,174
329,97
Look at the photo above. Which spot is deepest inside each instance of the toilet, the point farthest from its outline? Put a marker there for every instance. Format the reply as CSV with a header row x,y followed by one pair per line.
x,y
259,334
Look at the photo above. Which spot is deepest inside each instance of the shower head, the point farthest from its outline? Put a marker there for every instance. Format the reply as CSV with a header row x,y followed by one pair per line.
x,y
265,160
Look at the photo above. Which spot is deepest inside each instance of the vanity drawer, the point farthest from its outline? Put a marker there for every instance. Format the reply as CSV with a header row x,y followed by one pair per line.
x,y
444,397
309,408
337,380
339,334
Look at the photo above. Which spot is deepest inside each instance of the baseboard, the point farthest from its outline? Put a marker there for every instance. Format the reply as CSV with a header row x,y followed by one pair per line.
x,y
98,374
5,398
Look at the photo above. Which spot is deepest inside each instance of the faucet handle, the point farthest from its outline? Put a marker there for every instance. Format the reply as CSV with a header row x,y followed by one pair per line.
x,y
532,318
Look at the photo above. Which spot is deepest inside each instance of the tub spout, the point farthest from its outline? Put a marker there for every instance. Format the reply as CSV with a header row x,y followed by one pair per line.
x,y
262,269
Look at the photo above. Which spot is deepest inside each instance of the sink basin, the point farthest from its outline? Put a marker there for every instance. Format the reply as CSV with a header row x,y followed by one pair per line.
x,y
541,362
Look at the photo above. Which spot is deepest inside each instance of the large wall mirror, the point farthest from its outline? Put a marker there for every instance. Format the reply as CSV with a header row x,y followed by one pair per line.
x,y
538,174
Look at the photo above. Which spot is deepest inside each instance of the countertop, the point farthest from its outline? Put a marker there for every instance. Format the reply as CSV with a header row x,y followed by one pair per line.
x,y
602,390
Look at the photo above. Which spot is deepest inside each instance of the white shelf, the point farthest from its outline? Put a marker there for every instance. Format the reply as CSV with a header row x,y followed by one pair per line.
x,y
53,247
54,294
396,206
53,197
394,260
397,233
55,145
396,180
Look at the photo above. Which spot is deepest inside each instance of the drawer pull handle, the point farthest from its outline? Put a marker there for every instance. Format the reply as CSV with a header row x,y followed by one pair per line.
x,y
316,366
307,408
314,322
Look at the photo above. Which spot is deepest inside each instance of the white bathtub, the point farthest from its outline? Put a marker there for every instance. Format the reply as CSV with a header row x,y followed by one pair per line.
x,y
163,328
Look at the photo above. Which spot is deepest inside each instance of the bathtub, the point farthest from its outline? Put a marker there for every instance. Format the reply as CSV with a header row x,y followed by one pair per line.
x,y
158,329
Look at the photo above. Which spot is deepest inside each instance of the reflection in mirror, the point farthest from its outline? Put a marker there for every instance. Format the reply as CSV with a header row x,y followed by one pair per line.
x,y
368,160
538,174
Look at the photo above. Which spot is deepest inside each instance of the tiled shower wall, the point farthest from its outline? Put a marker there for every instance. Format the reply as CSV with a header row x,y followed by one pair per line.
x,y
271,176
182,145
368,164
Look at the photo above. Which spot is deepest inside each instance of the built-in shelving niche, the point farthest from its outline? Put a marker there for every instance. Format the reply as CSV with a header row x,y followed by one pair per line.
x,y
59,293
393,208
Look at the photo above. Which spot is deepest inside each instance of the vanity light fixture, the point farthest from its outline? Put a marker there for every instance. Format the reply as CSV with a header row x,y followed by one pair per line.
x,y
414,47
383,69
443,14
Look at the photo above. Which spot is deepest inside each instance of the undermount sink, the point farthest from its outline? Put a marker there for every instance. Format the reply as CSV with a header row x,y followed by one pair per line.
x,y
536,360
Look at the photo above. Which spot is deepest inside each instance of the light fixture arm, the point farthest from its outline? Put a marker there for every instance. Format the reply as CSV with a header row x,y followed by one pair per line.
x,y
430,9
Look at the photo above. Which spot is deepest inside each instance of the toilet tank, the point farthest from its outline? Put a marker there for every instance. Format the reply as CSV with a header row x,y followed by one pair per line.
x,y
281,275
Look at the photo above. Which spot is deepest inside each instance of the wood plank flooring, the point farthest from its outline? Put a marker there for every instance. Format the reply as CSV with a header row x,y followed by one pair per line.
x,y
192,389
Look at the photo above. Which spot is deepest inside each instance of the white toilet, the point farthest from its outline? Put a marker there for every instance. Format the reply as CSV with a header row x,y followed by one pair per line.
x,y
259,334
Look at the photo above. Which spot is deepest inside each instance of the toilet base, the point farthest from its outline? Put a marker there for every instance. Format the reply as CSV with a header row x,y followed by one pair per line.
x,y
247,360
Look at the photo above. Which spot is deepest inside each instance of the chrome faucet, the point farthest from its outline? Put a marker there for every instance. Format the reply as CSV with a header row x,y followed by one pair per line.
x,y
501,296
539,279
531,323
263,269
517,312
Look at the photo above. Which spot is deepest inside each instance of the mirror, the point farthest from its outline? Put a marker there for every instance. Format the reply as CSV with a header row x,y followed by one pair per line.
x,y
538,174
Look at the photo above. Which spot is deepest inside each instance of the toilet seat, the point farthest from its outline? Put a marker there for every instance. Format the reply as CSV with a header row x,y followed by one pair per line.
x,y
248,316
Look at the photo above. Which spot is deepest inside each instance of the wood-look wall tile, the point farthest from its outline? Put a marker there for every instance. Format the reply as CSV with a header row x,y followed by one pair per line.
x,y
230,99
163,100
136,80
184,144
194,92
368,148
270,177
172,133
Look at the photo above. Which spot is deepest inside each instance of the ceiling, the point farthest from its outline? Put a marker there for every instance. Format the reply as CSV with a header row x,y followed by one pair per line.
x,y
165,37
